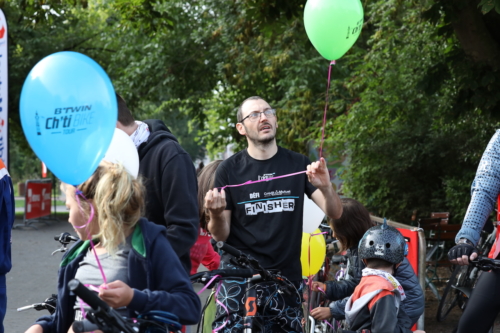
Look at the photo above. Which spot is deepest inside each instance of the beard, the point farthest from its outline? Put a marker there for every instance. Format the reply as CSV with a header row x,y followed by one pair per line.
x,y
260,142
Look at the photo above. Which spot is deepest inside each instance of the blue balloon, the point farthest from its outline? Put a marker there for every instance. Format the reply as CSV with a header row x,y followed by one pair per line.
x,y
68,113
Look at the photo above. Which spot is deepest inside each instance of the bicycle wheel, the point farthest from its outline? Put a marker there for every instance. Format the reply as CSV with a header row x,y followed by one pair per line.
x,y
450,294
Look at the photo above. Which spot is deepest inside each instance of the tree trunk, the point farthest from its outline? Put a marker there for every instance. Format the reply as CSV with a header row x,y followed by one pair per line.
x,y
472,32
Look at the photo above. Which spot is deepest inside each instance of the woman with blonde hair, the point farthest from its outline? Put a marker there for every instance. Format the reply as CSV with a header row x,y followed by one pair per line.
x,y
126,259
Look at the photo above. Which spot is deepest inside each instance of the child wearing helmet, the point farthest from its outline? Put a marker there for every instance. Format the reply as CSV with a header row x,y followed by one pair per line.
x,y
374,305
349,229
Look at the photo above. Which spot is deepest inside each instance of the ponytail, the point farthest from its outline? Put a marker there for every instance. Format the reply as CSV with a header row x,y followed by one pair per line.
x,y
118,199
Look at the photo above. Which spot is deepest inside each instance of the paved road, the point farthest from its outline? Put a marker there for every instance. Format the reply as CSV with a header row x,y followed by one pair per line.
x,y
34,272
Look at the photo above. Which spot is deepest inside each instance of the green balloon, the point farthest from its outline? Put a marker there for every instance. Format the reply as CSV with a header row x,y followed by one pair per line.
x,y
333,25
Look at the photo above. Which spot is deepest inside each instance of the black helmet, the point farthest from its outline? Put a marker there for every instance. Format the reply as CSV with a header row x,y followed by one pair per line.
x,y
383,242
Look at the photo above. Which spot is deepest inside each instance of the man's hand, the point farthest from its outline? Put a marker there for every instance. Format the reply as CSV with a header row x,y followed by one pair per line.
x,y
321,313
318,175
460,254
215,202
317,285
116,294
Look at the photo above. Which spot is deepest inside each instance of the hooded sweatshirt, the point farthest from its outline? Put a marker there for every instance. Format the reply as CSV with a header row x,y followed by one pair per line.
x,y
171,188
154,272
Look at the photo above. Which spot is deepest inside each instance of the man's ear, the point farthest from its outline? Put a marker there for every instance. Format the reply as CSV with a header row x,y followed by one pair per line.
x,y
241,129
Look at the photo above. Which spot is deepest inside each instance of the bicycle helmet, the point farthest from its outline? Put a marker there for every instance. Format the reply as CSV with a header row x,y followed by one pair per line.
x,y
383,242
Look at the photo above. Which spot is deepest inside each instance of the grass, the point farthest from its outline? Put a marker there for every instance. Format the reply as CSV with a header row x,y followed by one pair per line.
x,y
61,215
20,203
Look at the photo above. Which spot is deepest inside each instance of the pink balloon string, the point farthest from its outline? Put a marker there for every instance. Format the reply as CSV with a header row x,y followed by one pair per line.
x,y
321,145
263,180
89,236
326,321
209,283
224,307
326,108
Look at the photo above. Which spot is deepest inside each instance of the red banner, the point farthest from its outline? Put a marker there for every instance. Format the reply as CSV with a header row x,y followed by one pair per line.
x,y
38,199
411,237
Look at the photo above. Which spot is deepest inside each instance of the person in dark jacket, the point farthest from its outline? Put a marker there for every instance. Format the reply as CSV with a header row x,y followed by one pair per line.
x,y
170,180
129,262
349,229
6,221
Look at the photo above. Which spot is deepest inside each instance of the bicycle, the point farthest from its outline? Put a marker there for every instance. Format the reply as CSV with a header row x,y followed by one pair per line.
x,y
49,303
103,317
331,325
483,264
462,281
254,274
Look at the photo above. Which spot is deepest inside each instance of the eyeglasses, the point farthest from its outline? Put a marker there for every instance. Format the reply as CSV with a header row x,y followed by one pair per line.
x,y
254,116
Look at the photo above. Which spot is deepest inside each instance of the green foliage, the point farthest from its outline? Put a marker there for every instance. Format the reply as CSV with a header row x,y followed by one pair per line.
x,y
419,125
488,5
410,103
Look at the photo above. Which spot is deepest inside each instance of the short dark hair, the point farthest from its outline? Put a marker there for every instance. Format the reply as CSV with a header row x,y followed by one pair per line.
x,y
352,225
124,115
377,263
239,115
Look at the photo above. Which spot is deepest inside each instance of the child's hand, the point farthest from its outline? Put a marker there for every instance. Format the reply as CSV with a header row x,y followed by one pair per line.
x,y
316,285
116,294
321,313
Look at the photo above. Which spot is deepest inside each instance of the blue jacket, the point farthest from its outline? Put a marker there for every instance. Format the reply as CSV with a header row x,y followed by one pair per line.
x,y
484,192
155,273
7,215
339,291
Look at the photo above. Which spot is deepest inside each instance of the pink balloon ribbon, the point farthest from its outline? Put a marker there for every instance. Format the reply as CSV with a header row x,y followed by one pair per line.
x,y
321,145
326,108
224,307
209,283
263,180
89,236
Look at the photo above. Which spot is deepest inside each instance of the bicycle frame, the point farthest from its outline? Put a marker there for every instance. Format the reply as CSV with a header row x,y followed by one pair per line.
x,y
251,305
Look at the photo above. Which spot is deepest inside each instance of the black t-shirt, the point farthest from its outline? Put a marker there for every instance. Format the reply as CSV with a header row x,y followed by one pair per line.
x,y
266,217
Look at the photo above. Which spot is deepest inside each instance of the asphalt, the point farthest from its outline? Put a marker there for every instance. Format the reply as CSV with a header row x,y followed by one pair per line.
x,y
33,276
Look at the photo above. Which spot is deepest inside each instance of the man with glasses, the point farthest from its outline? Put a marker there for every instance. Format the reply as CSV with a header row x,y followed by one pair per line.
x,y
265,219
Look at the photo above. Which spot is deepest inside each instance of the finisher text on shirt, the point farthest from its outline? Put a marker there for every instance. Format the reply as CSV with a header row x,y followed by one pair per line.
x,y
271,206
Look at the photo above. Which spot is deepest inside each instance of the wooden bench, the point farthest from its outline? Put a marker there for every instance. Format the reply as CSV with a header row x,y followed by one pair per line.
x,y
440,237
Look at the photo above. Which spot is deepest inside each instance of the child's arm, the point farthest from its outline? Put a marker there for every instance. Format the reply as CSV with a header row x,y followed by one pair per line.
x,y
336,290
321,313
211,260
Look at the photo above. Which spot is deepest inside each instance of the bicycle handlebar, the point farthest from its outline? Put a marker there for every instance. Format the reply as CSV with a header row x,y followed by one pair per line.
x,y
485,264
87,296
246,261
229,249
84,326
102,315
223,274
65,238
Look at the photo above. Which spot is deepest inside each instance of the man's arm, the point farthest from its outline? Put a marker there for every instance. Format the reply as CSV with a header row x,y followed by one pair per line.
x,y
220,218
325,197
484,192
